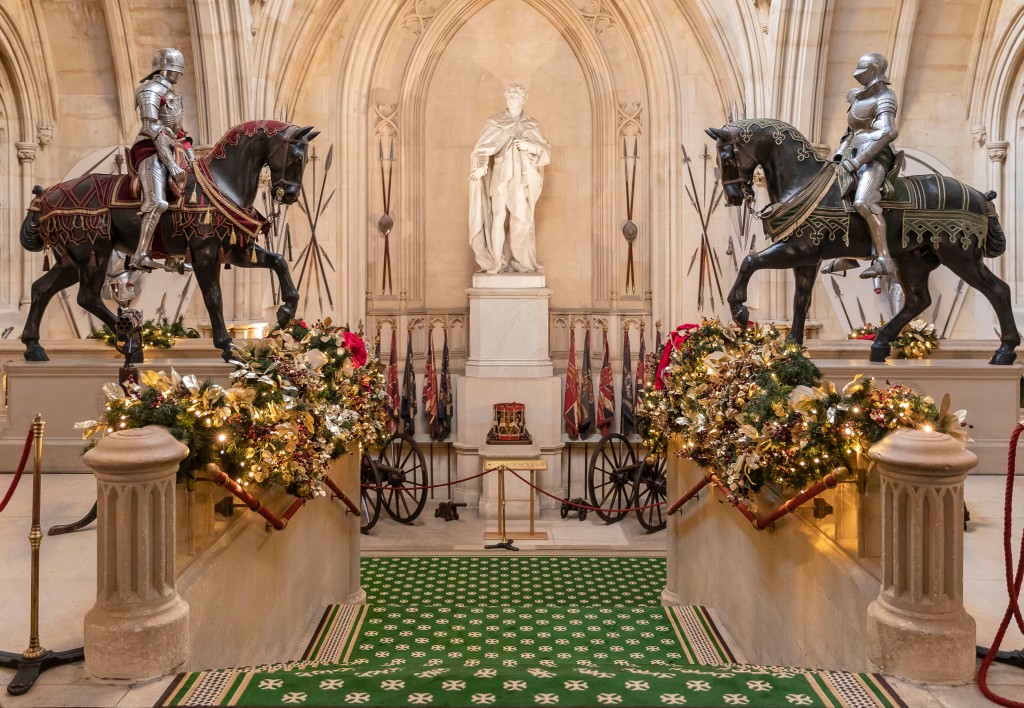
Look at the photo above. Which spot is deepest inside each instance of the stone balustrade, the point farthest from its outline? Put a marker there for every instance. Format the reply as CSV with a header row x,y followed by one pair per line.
x,y
245,598
886,596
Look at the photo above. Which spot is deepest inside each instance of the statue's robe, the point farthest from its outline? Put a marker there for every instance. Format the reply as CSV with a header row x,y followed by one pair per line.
x,y
513,183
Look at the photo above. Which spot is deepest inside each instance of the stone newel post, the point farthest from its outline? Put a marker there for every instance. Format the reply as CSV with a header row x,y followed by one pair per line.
x,y
917,626
138,627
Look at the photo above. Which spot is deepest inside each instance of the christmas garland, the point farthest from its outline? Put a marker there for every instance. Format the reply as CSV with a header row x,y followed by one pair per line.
x,y
161,334
917,340
299,397
753,407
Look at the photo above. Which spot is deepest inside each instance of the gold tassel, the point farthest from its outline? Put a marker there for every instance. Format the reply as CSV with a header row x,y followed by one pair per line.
x,y
193,199
252,255
206,218
233,241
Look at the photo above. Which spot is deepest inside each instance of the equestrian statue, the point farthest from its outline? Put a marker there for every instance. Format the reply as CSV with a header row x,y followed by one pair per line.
x,y
857,206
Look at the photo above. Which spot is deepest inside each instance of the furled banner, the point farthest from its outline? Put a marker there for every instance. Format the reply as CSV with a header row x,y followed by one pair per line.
x,y
627,421
606,391
571,403
445,409
430,398
586,391
409,393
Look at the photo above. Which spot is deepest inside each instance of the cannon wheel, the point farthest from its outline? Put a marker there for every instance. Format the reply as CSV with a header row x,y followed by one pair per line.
x,y
651,488
370,500
401,464
610,476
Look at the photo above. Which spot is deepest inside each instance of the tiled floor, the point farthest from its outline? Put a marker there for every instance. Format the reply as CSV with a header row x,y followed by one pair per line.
x,y
68,582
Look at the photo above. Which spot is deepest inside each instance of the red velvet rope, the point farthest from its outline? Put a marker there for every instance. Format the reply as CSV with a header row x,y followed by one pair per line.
x,y
585,506
381,487
1013,581
21,470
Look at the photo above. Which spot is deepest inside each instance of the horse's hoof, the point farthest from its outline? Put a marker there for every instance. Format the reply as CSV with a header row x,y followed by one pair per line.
x,y
879,354
1004,356
741,316
34,352
226,355
285,315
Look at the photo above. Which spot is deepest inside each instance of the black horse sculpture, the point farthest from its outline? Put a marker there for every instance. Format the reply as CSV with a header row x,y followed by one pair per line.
x,y
931,220
213,222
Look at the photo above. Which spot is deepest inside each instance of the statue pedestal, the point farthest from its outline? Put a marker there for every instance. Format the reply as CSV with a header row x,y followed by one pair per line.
x,y
508,361
508,326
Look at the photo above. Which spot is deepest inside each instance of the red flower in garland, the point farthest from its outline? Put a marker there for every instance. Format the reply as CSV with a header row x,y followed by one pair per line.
x,y
356,347
675,340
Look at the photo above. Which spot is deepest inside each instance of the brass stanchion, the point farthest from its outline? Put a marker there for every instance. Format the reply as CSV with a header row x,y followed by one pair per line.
x,y
505,543
34,660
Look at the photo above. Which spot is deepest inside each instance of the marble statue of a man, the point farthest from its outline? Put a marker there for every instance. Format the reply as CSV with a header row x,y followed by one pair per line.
x,y
505,182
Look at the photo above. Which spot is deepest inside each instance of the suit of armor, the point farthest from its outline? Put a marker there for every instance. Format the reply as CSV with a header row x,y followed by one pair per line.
x,y
866,151
153,152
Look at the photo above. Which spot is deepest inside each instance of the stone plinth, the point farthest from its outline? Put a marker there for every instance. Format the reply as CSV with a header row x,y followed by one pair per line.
x,y
138,627
989,394
919,613
508,326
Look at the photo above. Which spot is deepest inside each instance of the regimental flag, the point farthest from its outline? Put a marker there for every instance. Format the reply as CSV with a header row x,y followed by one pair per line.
x,y
571,403
627,406
657,342
586,392
444,395
409,393
606,392
641,372
430,390
394,401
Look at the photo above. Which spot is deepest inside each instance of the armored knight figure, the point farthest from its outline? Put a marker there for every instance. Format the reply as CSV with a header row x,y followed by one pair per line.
x,y
154,153
866,151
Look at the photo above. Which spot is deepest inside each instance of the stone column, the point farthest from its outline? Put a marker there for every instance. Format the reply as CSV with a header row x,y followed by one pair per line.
x,y
917,627
138,627
26,159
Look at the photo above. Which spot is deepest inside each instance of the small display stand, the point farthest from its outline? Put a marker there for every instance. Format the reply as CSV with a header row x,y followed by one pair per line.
x,y
502,466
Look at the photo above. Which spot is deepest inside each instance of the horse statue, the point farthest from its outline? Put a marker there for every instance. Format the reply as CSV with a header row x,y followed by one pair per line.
x,y
931,220
213,222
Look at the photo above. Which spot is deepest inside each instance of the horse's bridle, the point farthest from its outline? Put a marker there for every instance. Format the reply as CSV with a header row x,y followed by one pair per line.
x,y
278,186
746,184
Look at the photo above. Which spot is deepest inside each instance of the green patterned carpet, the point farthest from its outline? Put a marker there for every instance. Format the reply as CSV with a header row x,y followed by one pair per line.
x,y
520,631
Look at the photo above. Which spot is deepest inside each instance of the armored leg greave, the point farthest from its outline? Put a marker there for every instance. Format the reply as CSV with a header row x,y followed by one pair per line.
x,y
868,204
153,178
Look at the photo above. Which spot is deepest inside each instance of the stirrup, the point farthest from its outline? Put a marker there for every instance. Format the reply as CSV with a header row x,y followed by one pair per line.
x,y
877,269
839,265
144,262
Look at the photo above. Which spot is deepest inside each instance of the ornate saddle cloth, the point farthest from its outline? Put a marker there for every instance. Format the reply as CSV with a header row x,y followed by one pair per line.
x,y
919,207
78,211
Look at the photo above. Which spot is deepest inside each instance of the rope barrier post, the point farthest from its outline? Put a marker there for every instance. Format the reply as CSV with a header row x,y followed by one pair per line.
x,y
505,543
35,659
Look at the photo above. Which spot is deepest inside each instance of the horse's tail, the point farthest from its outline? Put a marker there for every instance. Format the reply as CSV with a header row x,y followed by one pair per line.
x,y
31,238
995,241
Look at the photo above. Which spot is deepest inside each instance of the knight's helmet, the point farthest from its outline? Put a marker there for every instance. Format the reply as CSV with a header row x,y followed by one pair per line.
x,y
168,60
873,67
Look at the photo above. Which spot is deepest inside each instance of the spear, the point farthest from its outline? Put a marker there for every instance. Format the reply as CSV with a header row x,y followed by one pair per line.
x,y
839,294
935,312
692,261
863,318
949,318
